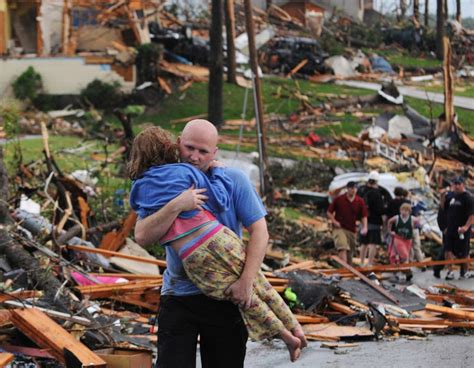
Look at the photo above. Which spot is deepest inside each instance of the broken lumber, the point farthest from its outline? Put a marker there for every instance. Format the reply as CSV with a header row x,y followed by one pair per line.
x,y
364,278
50,312
109,253
115,239
297,266
49,335
338,307
310,319
331,345
450,312
5,358
118,289
295,70
401,267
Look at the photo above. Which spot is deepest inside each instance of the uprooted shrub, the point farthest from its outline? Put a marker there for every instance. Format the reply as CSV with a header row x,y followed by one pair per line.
x,y
28,85
102,95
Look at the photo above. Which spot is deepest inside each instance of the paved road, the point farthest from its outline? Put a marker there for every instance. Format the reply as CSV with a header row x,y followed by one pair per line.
x,y
437,351
459,101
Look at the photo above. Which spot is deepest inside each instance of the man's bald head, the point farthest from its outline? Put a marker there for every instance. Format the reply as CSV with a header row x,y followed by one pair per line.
x,y
198,143
202,128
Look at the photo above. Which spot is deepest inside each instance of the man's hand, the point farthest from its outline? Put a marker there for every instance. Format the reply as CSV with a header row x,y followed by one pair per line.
x,y
364,230
191,199
215,163
152,228
336,224
240,293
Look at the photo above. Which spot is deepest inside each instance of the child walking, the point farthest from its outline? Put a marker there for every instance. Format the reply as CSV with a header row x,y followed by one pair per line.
x,y
401,228
212,255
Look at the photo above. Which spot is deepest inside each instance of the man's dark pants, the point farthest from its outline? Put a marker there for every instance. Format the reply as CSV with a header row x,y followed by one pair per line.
x,y
222,333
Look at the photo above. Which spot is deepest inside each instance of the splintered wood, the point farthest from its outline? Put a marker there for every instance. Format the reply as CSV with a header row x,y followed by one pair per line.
x,y
49,335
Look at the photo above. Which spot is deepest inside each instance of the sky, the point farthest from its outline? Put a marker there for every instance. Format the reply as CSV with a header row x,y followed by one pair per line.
x,y
390,5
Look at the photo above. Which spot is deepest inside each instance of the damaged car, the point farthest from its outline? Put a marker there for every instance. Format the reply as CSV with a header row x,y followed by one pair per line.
x,y
285,53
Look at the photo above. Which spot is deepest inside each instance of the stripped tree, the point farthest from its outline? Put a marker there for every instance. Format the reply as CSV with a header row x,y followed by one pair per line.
x,y
440,28
216,66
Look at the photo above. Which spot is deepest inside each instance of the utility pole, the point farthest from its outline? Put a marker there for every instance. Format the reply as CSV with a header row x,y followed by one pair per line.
x,y
265,188
230,33
216,67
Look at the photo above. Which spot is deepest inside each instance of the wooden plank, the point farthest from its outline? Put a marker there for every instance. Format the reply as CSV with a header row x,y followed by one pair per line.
x,y
316,337
297,266
405,266
369,282
423,326
450,312
25,294
55,314
333,330
165,86
300,65
109,290
310,319
129,276
337,345
113,240
109,253
6,358
48,334
342,308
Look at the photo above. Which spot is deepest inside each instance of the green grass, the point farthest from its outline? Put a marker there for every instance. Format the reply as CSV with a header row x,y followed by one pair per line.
x,y
463,90
291,213
277,94
398,58
466,117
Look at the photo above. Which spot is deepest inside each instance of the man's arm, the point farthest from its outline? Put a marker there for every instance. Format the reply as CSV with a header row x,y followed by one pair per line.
x,y
332,218
364,229
241,290
152,228
470,221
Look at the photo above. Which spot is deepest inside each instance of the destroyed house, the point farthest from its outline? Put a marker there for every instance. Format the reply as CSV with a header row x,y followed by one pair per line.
x,y
90,37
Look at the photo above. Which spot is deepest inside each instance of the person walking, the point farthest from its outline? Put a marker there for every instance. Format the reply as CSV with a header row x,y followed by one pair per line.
x,y
459,219
375,205
186,314
344,212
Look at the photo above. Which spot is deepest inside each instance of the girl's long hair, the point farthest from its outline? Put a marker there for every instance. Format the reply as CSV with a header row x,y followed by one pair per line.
x,y
152,147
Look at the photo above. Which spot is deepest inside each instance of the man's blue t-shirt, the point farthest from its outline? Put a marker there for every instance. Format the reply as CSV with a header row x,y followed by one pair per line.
x,y
246,207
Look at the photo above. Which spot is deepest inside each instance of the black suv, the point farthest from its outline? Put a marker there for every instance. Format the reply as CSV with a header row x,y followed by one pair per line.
x,y
284,53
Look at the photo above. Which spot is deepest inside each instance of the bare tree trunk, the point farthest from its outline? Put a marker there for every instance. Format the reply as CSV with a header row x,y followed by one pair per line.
x,y
230,33
266,190
440,28
448,84
458,10
416,10
427,13
403,9
215,101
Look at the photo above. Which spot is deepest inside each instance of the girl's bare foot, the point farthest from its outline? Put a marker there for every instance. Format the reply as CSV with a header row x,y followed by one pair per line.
x,y
299,333
292,343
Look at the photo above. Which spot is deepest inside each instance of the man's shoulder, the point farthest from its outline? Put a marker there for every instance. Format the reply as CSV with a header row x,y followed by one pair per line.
x,y
236,174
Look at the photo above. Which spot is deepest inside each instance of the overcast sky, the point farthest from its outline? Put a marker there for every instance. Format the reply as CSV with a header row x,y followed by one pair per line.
x,y
390,5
